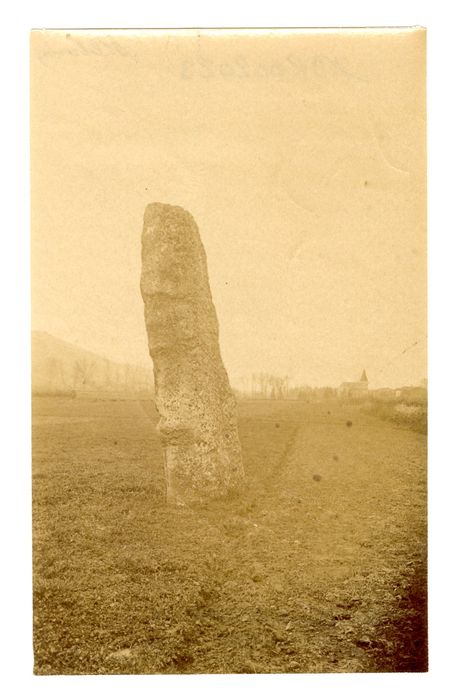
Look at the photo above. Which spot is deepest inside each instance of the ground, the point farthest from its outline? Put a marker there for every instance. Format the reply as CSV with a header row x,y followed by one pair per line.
x,y
319,566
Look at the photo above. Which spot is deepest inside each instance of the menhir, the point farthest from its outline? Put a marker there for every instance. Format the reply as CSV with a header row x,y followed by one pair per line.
x,y
198,421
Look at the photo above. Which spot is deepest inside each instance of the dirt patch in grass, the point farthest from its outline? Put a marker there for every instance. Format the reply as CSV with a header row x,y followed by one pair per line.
x,y
319,566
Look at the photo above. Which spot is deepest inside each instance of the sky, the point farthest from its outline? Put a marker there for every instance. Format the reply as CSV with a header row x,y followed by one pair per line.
x,y
301,156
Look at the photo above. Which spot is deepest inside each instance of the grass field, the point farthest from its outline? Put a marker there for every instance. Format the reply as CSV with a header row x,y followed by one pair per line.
x,y
320,566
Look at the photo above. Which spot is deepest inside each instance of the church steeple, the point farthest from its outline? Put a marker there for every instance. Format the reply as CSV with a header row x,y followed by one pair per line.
x,y
364,378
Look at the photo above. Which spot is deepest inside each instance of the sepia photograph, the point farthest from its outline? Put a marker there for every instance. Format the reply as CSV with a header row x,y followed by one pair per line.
x,y
229,351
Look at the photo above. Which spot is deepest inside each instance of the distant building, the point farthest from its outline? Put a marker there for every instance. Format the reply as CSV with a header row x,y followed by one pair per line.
x,y
413,394
354,390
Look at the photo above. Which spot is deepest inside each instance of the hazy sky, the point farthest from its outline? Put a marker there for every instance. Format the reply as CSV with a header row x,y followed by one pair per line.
x,y
301,157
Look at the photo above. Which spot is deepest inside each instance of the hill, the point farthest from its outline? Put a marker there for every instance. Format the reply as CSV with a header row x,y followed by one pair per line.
x,y
59,367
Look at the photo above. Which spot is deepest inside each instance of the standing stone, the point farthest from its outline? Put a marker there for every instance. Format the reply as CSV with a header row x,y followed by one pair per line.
x,y
198,423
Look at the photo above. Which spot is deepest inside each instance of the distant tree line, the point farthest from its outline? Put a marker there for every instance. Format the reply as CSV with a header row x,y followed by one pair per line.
x,y
263,385
85,374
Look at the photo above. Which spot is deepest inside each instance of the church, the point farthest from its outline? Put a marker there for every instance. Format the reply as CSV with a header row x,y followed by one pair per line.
x,y
354,390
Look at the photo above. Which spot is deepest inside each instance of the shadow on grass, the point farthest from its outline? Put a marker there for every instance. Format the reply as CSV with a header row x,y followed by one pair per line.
x,y
404,645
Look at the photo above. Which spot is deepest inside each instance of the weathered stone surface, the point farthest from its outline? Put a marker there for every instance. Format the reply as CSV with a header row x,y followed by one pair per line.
x,y
198,424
